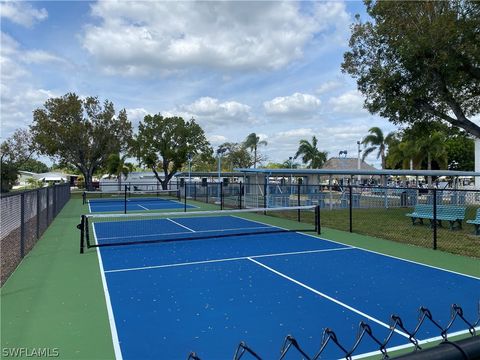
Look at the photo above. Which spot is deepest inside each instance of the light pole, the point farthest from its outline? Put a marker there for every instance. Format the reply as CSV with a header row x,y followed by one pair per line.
x,y
359,165
189,173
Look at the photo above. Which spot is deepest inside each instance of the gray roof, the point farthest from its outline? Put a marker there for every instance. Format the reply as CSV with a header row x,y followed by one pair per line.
x,y
209,174
338,163
359,172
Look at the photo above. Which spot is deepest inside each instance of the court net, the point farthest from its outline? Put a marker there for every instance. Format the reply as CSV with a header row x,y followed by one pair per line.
x,y
128,195
102,230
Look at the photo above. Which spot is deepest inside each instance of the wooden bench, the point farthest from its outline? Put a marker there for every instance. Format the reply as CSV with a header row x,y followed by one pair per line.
x,y
453,214
476,222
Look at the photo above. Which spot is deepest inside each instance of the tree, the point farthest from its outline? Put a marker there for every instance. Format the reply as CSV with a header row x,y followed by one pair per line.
x,y
310,154
117,165
235,155
253,141
204,161
35,166
14,153
419,61
80,132
163,144
460,152
376,141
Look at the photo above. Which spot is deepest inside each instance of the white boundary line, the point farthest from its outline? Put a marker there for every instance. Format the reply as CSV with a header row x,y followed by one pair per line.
x,y
367,250
111,318
183,226
89,208
143,207
327,297
225,260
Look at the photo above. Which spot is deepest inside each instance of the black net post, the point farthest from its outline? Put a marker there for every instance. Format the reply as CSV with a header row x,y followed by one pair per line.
x,y
350,206
84,197
298,200
434,219
38,214
81,227
22,225
318,225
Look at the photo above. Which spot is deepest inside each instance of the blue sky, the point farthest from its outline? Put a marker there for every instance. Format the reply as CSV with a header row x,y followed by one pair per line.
x,y
237,67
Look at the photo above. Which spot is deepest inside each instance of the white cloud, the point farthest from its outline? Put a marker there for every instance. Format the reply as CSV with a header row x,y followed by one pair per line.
x,y
41,57
136,115
143,37
330,86
216,140
211,112
22,13
18,96
350,102
296,104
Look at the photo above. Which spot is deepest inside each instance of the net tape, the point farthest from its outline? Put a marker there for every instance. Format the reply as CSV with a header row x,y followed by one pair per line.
x,y
365,331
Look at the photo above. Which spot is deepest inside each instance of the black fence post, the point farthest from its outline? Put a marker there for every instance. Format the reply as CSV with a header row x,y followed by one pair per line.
x,y
47,207
54,201
318,220
221,196
22,225
350,198
195,191
206,194
125,199
298,200
185,196
265,196
434,219
240,195
38,214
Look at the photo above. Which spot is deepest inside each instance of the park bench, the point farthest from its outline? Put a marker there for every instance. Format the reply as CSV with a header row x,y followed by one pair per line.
x,y
476,222
453,214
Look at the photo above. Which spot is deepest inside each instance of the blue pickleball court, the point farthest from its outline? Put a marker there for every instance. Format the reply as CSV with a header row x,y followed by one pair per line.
x,y
145,204
210,285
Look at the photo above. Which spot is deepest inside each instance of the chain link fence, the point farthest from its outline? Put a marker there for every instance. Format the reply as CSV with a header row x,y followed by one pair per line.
x,y
24,218
444,219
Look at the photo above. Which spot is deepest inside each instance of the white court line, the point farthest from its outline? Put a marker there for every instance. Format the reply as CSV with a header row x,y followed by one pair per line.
x,y
184,232
111,318
89,208
143,207
226,259
183,226
327,297
318,237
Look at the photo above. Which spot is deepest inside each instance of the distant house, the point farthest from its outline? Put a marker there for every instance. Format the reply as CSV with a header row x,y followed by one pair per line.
x,y
47,178
340,163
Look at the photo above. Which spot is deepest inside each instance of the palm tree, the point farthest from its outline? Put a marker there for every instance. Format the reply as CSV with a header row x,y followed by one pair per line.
x,y
253,141
310,154
432,147
118,166
377,141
